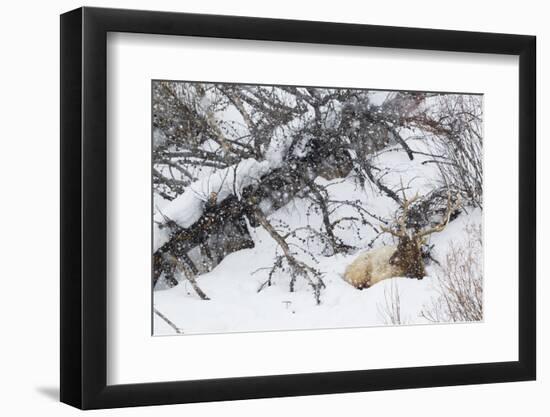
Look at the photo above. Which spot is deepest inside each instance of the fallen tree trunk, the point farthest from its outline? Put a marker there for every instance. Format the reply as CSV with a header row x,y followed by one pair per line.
x,y
292,178
182,240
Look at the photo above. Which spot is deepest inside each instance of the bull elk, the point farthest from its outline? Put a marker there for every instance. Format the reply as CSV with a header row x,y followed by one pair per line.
x,y
403,260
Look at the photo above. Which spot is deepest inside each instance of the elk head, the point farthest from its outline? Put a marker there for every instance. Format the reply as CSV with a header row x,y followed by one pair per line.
x,y
408,256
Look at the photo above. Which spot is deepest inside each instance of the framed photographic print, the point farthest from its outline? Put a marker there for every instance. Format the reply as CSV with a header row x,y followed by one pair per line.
x,y
257,207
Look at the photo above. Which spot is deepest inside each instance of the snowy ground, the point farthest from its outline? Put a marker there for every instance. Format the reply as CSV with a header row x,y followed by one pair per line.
x,y
235,304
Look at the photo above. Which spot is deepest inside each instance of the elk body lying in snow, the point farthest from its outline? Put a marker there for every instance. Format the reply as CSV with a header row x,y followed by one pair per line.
x,y
403,260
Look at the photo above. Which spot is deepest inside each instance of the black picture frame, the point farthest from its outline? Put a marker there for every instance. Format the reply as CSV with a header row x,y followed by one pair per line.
x,y
84,207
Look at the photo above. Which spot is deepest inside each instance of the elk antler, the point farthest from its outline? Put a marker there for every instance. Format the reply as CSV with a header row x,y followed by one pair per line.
x,y
446,217
401,221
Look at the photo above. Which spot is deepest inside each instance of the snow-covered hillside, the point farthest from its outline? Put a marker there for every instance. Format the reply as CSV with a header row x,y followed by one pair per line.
x,y
236,303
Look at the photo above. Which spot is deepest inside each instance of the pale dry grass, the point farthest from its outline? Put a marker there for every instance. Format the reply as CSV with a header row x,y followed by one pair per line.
x,y
460,282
